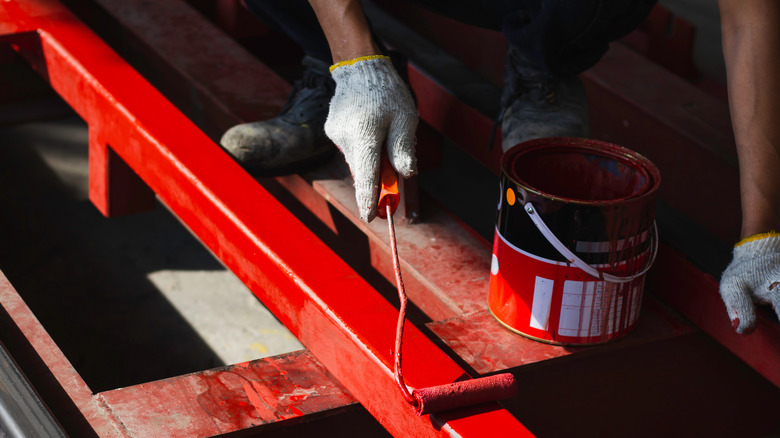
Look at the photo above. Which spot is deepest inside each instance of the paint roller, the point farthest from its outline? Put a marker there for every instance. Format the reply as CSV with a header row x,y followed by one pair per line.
x,y
442,397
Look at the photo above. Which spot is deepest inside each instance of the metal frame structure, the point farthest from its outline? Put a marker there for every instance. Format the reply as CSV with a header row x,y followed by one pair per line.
x,y
343,321
142,146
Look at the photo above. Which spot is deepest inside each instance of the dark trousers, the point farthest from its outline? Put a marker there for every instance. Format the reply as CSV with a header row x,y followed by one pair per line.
x,y
559,36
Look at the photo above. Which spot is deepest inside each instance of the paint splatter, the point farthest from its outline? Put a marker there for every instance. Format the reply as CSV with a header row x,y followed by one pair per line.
x,y
259,348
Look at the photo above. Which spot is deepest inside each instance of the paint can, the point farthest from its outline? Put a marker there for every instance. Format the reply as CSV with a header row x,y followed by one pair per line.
x,y
575,236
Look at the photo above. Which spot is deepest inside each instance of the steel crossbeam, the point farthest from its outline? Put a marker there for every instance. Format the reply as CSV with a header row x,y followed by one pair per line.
x,y
346,324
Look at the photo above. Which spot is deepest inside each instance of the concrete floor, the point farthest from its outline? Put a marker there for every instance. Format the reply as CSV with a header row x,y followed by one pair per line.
x,y
130,299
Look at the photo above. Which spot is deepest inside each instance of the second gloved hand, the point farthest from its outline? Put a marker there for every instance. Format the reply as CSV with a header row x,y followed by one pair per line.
x,y
752,276
372,107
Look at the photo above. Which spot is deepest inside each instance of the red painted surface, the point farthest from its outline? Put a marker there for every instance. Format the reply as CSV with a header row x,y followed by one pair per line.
x,y
343,321
205,403
478,339
227,399
233,17
113,186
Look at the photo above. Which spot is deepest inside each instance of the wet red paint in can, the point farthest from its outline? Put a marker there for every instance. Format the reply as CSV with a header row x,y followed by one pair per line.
x,y
575,235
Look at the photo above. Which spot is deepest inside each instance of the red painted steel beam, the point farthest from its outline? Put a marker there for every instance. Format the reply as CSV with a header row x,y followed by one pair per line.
x,y
114,188
346,324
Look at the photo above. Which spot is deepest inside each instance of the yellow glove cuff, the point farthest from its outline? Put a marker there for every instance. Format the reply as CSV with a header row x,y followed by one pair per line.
x,y
352,61
755,237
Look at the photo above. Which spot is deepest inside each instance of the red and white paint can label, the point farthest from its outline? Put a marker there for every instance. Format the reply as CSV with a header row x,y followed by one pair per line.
x,y
551,301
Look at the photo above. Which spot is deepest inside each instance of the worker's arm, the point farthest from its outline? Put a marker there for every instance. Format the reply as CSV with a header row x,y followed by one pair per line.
x,y
751,49
346,29
372,107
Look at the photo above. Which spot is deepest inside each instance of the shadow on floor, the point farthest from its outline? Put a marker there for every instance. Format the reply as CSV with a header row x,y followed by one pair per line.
x,y
85,276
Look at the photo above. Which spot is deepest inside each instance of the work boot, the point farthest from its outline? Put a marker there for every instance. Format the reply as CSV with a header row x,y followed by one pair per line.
x,y
294,140
537,104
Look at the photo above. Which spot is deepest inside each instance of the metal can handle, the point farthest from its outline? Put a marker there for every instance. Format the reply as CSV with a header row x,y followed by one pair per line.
x,y
573,259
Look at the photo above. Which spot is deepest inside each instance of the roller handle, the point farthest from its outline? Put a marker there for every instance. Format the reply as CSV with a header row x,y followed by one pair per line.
x,y
388,191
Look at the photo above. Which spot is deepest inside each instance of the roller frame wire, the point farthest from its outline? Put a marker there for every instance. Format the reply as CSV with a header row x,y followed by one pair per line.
x,y
399,334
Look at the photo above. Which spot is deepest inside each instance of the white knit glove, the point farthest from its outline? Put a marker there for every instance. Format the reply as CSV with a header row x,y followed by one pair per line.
x,y
752,276
372,106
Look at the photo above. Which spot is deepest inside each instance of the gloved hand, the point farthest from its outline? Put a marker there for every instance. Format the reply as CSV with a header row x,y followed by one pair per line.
x,y
372,107
753,276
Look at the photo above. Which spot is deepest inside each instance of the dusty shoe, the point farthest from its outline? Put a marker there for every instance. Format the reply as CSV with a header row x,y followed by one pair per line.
x,y
536,104
294,140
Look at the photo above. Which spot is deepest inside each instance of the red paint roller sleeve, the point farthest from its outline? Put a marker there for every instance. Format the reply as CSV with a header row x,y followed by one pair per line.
x,y
465,393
